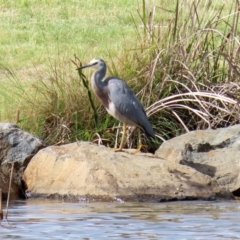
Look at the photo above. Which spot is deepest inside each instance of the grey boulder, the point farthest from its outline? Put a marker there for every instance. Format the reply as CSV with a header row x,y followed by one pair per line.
x,y
17,147
215,153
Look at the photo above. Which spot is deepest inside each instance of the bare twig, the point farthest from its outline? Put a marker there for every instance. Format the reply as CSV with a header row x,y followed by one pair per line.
x,y
9,190
86,85
1,211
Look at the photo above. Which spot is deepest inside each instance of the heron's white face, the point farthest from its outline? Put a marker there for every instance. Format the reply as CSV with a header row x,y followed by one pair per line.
x,y
96,63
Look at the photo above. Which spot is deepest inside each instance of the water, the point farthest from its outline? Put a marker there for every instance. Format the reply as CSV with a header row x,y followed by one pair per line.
x,y
48,219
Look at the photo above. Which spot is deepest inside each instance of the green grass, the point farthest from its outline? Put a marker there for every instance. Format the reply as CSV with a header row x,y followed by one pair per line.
x,y
33,32
163,51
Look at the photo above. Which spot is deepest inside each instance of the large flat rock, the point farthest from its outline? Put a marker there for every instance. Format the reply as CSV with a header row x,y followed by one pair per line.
x,y
84,170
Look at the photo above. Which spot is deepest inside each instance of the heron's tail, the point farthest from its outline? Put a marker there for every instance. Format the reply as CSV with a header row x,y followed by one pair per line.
x,y
148,130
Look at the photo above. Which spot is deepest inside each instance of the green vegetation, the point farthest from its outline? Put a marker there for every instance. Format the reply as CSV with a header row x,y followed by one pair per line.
x,y
182,59
35,32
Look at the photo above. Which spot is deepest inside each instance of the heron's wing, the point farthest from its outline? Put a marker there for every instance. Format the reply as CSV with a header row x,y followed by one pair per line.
x,y
127,104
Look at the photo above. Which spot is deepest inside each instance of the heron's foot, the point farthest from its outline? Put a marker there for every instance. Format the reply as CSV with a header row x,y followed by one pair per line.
x,y
138,149
122,150
131,151
118,150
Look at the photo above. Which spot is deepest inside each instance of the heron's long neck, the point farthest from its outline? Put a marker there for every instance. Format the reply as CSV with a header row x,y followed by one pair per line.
x,y
97,80
98,85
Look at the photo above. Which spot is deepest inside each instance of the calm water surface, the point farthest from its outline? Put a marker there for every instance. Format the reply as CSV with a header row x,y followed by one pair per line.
x,y
48,219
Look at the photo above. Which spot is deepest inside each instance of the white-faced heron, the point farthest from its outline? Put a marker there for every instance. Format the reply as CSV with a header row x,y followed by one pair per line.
x,y
119,100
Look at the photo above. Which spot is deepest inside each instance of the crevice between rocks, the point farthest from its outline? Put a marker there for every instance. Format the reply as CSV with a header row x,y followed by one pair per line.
x,y
236,193
149,198
202,168
206,146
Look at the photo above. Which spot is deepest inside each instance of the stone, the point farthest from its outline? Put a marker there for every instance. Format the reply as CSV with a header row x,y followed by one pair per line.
x,y
86,171
215,153
15,192
16,147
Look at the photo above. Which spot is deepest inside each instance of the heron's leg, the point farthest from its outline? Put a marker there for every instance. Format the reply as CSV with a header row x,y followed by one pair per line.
x,y
123,139
139,142
123,136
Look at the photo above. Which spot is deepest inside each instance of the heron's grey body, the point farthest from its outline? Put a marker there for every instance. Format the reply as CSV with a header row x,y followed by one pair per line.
x,y
118,98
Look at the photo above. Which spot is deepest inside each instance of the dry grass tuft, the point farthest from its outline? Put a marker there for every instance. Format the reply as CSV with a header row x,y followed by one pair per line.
x,y
187,68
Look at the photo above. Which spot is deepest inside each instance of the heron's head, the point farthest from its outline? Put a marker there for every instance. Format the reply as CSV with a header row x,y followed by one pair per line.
x,y
97,63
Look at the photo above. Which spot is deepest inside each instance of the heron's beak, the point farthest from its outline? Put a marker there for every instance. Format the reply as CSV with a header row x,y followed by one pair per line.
x,y
86,66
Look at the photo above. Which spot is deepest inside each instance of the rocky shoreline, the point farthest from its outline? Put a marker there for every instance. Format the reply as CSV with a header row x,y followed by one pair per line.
x,y
200,165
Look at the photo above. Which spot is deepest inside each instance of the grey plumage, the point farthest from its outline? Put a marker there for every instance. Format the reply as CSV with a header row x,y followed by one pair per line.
x,y
128,105
118,98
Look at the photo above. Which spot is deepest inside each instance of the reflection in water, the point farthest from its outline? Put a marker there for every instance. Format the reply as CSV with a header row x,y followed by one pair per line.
x,y
48,219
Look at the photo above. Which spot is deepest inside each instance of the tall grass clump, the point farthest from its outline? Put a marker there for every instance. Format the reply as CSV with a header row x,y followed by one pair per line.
x,y
186,67
56,106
